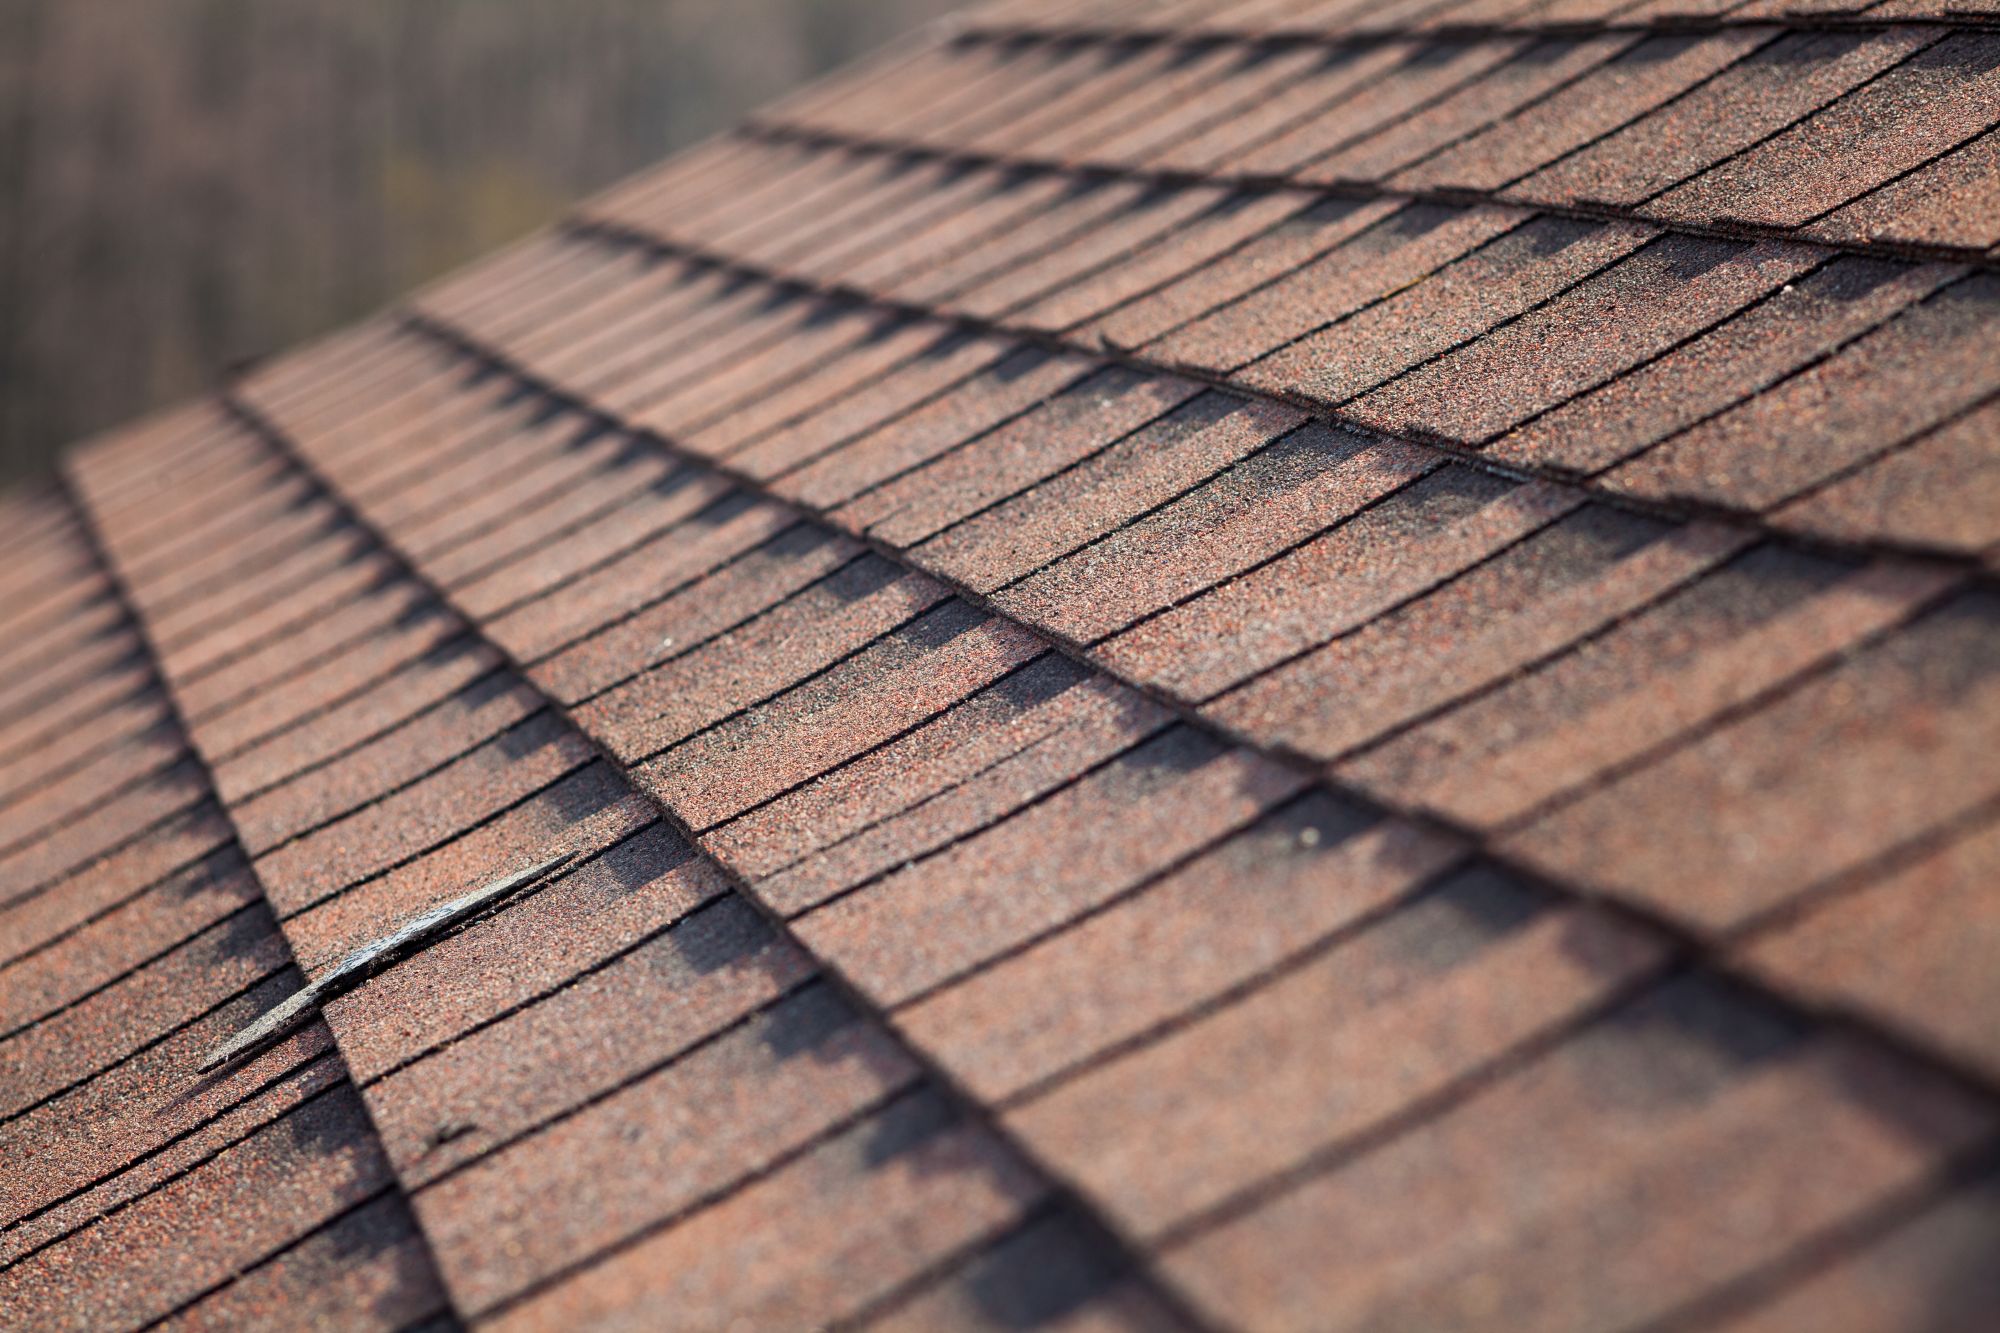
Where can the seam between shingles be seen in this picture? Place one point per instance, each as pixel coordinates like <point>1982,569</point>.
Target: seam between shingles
<point>1374,616</point>
<point>39,783</point>
<point>164,1036</point>
<point>1308,262</point>
<point>130,970</point>
<point>1021,946</point>
<point>1680,509</point>
<point>327,821</point>
<point>628,498</point>
<point>47,694</point>
<point>1678,935</point>
<point>59,877</point>
<point>598,1096</point>
<point>1873,457</point>
<point>888,515</point>
<point>1777,35</point>
<point>1228,997</point>
<point>947,845</point>
<point>1527,216</point>
<point>1829,661</point>
<point>681,648</point>
<point>934,1276</point>
<point>355,747</point>
<point>162,883</point>
<point>1423,105</point>
<point>386,1191</point>
<point>945,333</point>
<point>700,1203</point>
<point>1250,183</point>
<point>187,635</point>
<point>1418,1111</point>
<point>1464,136</point>
<point>1793,124</point>
<point>608,961</point>
<point>77,628</point>
<point>794,468</point>
<point>225,660</point>
<point>211,529</point>
<point>73,763</point>
<point>1794,373</point>
<point>1897,178</point>
<point>127,785</point>
<point>1528,666</point>
<point>1074,465</point>
<point>927,1070</point>
<point>881,821</point>
<point>649,536</point>
<point>467,415</point>
<point>1875,870</point>
<point>1820,1251</point>
<point>882,744</point>
<point>101,551</point>
<point>371,876</point>
<point>327,529</point>
<point>462,635</point>
<point>248,693</point>
<point>303,1067</point>
<point>549,492</point>
<point>1194,133</point>
<point>1567,476</point>
<point>1902,176</point>
<point>896,323</point>
<point>742,710</point>
<point>1533,308</point>
<point>976,31</point>
<point>761,341</point>
<point>1183,599</point>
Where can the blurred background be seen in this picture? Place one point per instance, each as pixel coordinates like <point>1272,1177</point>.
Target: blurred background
<point>187,183</point>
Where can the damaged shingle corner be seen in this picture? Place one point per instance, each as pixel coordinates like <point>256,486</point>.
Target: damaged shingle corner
<point>365,961</point>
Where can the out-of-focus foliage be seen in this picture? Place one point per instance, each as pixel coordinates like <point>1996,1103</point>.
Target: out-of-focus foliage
<point>187,183</point>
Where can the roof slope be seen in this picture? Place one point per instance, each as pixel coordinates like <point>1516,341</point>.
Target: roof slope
<point>1263,665</point>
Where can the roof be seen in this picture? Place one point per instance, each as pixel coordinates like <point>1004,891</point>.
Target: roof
<point>1261,665</point>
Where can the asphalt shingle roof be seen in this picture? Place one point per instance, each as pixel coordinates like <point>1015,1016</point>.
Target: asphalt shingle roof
<point>1260,665</point>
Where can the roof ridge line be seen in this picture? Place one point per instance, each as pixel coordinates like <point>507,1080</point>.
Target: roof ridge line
<point>777,131</point>
<point>1684,941</point>
<point>1684,511</point>
<point>1061,1194</point>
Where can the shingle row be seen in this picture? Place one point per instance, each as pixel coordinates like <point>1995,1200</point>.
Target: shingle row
<point>1307,20</point>
<point>1848,136</point>
<point>598,1071</point>
<point>1673,369</point>
<point>1131,935</point>
<point>148,944</point>
<point>1358,603</point>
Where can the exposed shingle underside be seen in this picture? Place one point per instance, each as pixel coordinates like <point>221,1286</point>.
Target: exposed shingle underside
<point>1263,665</point>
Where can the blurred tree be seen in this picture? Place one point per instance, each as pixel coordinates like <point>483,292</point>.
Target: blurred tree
<point>185,183</point>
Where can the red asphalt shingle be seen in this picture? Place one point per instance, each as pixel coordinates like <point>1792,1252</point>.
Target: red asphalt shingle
<point>1120,778</point>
